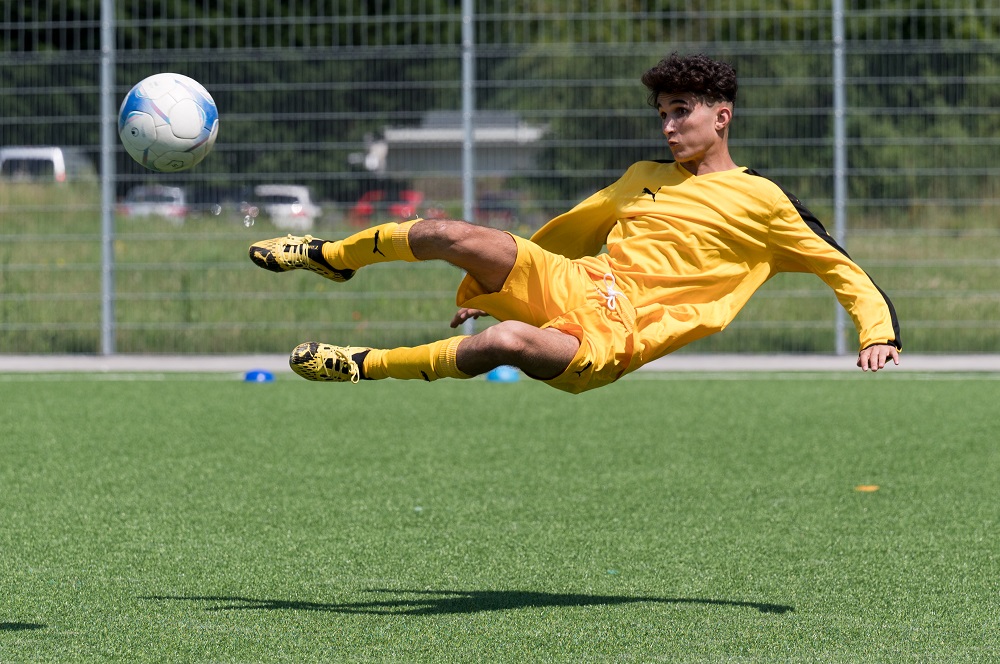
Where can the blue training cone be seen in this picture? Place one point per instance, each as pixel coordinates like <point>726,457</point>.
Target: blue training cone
<point>504,374</point>
<point>258,376</point>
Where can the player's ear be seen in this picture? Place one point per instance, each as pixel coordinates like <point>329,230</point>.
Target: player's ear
<point>723,116</point>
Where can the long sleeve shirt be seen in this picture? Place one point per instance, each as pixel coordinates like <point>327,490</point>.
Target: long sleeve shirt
<point>688,251</point>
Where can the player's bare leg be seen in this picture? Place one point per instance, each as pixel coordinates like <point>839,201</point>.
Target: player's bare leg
<point>540,353</point>
<point>485,253</point>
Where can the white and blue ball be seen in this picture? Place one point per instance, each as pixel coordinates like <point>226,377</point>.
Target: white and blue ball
<point>168,122</point>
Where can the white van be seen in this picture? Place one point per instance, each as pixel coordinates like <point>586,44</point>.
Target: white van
<point>45,164</point>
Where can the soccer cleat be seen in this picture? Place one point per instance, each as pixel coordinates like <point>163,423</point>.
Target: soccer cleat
<point>323,362</point>
<point>282,254</point>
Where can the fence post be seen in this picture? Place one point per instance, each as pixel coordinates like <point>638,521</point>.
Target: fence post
<point>468,109</point>
<point>108,126</point>
<point>839,158</point>
<point>468,122</point>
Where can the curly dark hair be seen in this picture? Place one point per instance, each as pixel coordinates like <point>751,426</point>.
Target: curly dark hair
<point>711,80</point>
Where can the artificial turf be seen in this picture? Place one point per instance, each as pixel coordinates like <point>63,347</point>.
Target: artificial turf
<point>706,518</point>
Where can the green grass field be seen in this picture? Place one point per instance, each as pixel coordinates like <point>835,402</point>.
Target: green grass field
<point>694,519</point>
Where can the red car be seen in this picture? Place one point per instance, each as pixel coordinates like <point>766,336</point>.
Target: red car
<point>377,205</point>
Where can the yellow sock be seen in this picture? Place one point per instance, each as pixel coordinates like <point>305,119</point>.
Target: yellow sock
<point>378,244</point>
<point>428,362</point>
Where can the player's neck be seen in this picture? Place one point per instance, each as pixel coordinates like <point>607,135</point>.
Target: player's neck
<point>710,163</point>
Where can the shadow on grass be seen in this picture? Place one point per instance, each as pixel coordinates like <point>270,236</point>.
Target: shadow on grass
<point>442,602</point>
<point>18,627</point>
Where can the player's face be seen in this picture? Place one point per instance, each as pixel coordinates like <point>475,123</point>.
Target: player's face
<point>692,127</point>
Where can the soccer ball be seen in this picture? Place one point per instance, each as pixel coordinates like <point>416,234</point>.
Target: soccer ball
<point>168,122</point>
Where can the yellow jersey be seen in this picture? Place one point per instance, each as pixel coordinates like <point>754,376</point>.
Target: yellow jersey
<point>690,250</point>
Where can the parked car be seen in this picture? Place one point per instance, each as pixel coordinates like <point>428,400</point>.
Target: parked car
<point>155,201</point>
<point>288,206</point>
<point>45,164</point>
<point>381,205</point>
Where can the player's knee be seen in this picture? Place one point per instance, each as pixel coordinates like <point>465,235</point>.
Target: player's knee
<point>508,339</point>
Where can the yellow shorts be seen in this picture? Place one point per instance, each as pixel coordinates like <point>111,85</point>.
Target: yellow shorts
<point>549,290</point>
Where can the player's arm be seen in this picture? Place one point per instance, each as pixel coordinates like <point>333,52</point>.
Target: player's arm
<point>580,232</point>
<point>583,231</point>
<point>802,244</point>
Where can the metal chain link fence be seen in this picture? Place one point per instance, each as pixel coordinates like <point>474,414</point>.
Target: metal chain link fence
<point>361,103</point>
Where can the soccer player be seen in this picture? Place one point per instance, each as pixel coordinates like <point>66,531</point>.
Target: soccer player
<point>688,242</point>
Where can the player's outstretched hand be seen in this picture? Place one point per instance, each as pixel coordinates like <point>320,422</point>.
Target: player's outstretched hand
<point>875,357</point>
<point>465,314</point>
